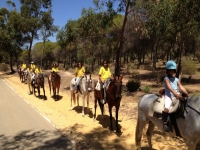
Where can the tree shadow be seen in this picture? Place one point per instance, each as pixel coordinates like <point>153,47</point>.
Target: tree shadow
<point>39,140</point>
<point>97,139</point>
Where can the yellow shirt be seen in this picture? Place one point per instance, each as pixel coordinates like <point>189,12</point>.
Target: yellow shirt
<point>105,73</point>
<point>23,66</point>
<point>54,69</point>
<point>32,67</point>
<point>80,71</point>
<point>37,70</point>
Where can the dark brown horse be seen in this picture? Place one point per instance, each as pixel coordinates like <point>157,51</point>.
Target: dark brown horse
<point>54,82</point>
<point>113,98</point>
<point>39,83</point>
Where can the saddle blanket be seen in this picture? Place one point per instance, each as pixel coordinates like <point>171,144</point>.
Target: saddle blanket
<point>158,106</point>
<point>98,86</point>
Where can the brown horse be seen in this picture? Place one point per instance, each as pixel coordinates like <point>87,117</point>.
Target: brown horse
<point>21,75</point>
<point>39,83</point>
<point>54,82</point>
<point>113,98</point>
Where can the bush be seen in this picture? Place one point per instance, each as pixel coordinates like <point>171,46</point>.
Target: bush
<point>147,89</point>
<point>189,67</point>
<point>133,85</point>
<point>4,67</point>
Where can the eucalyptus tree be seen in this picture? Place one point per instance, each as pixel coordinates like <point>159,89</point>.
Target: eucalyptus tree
<point>173,22</point>
<point>91,27</point>
<point>35,14</point>
<point>113,8</point>
<point>61,39</point>
<point>186,23</point>
<point>47,29</point>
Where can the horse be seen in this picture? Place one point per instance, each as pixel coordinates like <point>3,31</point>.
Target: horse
<point>39,83</point>
<point>28,77</point>
<point>113,98</point>
<point>188,125</point>
<point>84,88</point>
<point>21,75</point>
<point>54,82</point>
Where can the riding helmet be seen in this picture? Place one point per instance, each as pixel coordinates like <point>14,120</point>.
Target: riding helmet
<point>171,65</point>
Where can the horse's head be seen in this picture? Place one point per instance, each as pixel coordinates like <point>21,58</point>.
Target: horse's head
<point>89,82</point>
<point>115,87</point>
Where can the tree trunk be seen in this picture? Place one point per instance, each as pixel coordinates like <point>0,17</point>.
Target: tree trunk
<point>120,41</point>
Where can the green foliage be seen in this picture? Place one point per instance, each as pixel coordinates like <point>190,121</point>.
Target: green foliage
<point>198,56</point>
<point>188,67</point>
<point>147,89</point>
<point>4,67</point>
<point>133,85</point>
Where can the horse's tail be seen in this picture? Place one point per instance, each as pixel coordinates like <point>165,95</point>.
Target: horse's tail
<point>137,140</point>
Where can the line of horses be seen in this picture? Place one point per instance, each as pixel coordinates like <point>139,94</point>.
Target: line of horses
<point>85,87</point>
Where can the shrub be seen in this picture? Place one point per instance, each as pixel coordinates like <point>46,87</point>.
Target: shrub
<point>147,89</point>
<point>133,85</point>
<point>189,67</point>
<point>4,67</point>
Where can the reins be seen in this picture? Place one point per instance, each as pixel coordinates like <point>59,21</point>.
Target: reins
<point>187,105</point>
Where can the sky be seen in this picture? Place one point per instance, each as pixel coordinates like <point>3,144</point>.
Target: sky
<point>63,10</point>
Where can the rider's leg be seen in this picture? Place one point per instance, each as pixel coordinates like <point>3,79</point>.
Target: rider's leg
<point>168,102</point>
<point>76,84</point>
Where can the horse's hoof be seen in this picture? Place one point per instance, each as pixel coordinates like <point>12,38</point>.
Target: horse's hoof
<point>83,115</point>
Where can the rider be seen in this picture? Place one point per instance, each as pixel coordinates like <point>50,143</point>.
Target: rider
<point>37,71</point>
<point>54,69</point>
<point>23,66</point>
<point>32,66</point>
<point>104,76</point>
<point>171,86</point>
<point>80,72</point>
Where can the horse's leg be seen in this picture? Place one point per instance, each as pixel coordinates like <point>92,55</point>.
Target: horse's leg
<point>77,97</point>
<point>57,95</point>
<point>88,109</point>
<point>29,87</point>
<point>110,111</point>
<point>139,129</point>
<point>117,110</point>
<point>72,98</point>
<point>44,91</point>
<point>149,133</point>
<point>95,107</point>
<point>191,144</point>
<point>83,104</point>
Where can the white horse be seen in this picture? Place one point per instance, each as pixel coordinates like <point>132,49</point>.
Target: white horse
<point>84,88</point>
<point>188,126</point>
<point>29,80</point>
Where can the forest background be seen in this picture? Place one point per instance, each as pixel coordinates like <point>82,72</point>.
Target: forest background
<point>130,35</point>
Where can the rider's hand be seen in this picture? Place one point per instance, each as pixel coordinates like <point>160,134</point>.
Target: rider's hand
<point>181,98</point>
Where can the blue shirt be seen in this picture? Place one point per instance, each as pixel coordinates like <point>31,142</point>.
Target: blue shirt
<point>174,84</point>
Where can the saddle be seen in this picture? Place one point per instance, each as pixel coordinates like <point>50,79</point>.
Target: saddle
<point>177,107</point>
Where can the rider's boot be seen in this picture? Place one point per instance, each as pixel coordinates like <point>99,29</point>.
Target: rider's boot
<point>165,121</point>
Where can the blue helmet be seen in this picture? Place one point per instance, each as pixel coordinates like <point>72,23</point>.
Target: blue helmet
<point>171,65</point>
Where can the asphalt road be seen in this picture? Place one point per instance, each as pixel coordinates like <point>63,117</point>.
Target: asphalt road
<point>23,128</point>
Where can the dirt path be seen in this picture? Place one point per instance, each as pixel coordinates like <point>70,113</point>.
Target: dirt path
<point>89,134</point>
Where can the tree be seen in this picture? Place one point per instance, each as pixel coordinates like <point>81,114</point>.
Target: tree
<point>35,19</point>
<point>11,39</point>
<point>125,7</point>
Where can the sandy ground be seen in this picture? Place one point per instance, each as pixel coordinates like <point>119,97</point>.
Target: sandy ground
<point>84,131</point>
